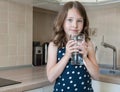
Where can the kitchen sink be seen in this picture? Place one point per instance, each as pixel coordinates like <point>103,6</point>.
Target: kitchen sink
<point>108,71</point>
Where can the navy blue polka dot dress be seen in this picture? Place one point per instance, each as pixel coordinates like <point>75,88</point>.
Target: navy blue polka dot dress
<point>75,78</point>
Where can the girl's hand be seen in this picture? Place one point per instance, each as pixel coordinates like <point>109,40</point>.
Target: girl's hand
<point>83,49</point>
<point>71,47</point>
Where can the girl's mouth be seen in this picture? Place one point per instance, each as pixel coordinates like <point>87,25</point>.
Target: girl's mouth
<point>74,30</point>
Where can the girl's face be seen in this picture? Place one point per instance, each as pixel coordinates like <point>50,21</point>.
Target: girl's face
<point>73,23</point>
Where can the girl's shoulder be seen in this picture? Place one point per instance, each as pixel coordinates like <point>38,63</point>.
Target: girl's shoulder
<point>52,45</point>
<point>90,45</point>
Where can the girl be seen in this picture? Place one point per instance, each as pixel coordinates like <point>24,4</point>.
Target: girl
<point>72,19</point>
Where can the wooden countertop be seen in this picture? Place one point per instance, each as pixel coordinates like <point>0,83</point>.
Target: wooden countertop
<point>31,78</point>
<point>35,77</point>
<point>114,79</point>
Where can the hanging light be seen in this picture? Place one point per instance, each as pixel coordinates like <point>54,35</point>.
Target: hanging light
<point>89,2</point>
<point>77,0</point>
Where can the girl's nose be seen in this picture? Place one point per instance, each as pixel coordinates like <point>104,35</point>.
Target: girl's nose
<point>74,24</point>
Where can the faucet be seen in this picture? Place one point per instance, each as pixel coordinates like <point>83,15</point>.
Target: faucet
<point>106,45</point>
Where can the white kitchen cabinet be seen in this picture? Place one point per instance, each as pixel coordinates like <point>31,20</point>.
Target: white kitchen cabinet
<point>35,90</point>
<point>43,89</point>
<point>105,87</point>
<point>48,88</point>
<point>98,86</point>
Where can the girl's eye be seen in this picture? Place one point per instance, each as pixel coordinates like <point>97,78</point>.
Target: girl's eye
<point>70,20</point>
<point>80,21</point>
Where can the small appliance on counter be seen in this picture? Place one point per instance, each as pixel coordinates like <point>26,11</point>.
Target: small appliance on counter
<point>45,52</point>
<point>37,54</point>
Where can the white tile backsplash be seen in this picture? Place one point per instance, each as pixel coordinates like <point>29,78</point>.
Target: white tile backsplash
<point>107,21</point>
<point>15,33</point>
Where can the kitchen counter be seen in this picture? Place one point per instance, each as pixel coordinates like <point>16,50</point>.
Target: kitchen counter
<point>114,79</point>
<point>35,77</point>
<point>31,78</point>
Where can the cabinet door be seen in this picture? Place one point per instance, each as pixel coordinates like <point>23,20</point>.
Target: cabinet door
<point>48,88</point>
<point>35,90</point>
<point>105,87</point>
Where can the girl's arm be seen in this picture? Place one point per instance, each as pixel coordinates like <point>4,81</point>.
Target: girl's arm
<point>90,61</point>
<point>54,69</point>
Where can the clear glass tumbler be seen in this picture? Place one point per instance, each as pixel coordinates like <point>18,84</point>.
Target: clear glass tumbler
<point>76,58</point>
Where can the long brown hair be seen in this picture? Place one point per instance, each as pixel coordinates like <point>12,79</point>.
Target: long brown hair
<point>59,38</point>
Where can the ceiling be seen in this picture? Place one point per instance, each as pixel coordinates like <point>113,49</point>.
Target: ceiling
<point>55,5</point>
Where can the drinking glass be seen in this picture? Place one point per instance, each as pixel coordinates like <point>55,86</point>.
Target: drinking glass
<point>76,58</point>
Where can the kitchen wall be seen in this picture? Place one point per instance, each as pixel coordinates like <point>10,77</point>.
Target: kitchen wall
<point>43,24</point>
<point>17,31</point>
<point>15,34</point>
<point>105,20</point>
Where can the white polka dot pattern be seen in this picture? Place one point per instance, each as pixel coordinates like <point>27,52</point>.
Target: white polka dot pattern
<point>75,78</point>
